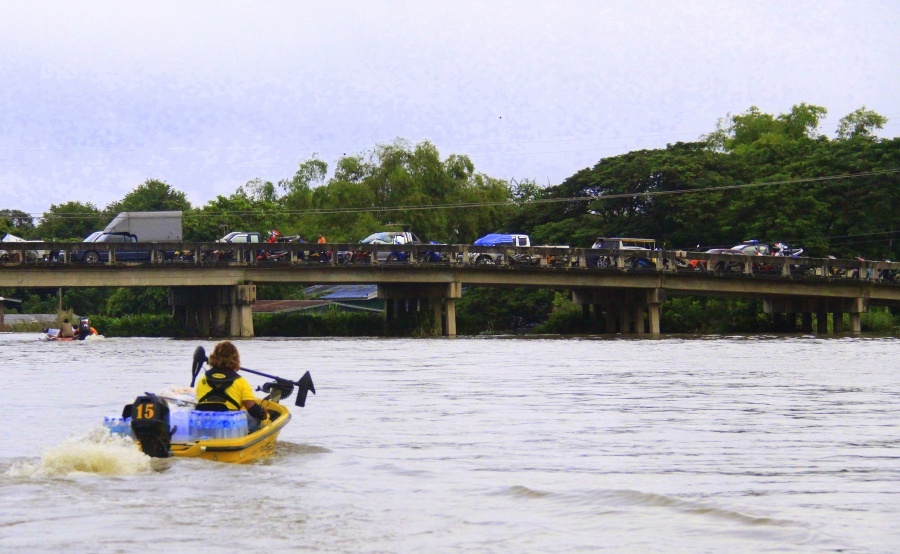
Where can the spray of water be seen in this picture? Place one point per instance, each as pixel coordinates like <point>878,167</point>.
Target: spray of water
<point>97,453</point>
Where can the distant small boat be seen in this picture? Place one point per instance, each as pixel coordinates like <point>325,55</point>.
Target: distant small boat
<point>53,334</point>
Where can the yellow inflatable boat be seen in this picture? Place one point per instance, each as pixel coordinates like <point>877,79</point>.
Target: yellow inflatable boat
<point>240,450</point>
<point>150,423</point>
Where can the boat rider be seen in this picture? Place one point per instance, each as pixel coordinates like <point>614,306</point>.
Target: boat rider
<point>65,330</point>
<point>222,389</point>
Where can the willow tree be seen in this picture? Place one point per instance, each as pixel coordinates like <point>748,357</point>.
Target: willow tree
<point>398,185</point>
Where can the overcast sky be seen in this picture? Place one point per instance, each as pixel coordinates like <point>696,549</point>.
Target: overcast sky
<point>96,97</point>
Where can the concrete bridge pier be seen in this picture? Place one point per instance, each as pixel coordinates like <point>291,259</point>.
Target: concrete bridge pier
<point>837,322</point>
<point>806,325</point>
<point>626,311</point>
<point>214,311</point>
<point>820,307</point>
<point>441,297</point>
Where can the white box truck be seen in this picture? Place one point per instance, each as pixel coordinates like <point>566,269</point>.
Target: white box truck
<point>129,227</point>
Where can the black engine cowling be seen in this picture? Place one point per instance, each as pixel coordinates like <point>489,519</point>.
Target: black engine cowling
<point>150,424</point>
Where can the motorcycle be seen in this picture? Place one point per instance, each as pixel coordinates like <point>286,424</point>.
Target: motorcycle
<point>280,255</point>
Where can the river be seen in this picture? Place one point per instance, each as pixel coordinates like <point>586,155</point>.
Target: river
<point>703,444</point>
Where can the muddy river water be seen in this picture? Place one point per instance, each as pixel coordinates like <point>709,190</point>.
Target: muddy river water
<point>682,444</point>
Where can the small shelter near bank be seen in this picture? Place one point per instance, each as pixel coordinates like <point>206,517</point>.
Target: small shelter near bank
<point>353,298</point>
<point>3,303</point>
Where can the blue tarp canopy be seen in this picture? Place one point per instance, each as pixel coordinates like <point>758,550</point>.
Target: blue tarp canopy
<point>495,239</point>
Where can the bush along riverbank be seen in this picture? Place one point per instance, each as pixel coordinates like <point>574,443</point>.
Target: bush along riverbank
<point>330,323</point>
<point>321,324</point>
<point>560,317</point>
<point>142,325</point>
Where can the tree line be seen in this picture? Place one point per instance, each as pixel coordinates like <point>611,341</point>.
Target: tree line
<point>754,176</point>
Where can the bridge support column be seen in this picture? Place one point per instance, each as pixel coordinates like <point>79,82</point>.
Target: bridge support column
<point>450,306</point>
<point>807,306</point>
<point>610,322</point>
<point>639,319</point>
<point>855,324</point>
<point>438,319</point>
<point>625,311</point>
<point>655,298</point>
<point>821,322</point>
<point>837,322</point>
<point>442,298</point>
<point>624,320</point>
<point>806,322</point>
<point>214,311</point>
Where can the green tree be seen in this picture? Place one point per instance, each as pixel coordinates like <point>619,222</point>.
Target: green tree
<point>393,185</point>
<point>861,123</point>
<point>16,222</point>
<point>670,194</point>
<point>151,196</point>
<point>223,215</point>
<point>71,220</point>
<point>298,190</point>
<point>137,300</point>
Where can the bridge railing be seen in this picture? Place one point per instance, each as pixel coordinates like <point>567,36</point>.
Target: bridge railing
<point>209,254</point>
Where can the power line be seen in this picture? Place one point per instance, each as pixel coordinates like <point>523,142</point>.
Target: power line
<point>501,203</point>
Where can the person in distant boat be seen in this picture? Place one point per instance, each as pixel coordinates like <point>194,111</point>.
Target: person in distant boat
<point>65,330</point>
<point>222,389</point>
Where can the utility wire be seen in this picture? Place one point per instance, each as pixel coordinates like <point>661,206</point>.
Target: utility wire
<point>500,203</point>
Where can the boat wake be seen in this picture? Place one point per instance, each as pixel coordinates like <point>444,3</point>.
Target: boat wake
<point>97,453</point>
<point>287,449</point>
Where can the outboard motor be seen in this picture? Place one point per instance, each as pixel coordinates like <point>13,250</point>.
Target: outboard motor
<point>84,329</point>
<point>150,424</point>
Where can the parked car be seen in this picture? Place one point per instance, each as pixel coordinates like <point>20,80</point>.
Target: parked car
<point>747,248</point>
<point>88,254</point>
<point>386,237</point>
<point>14,256</point>
<point>634,252</point>
<point>497,239</point>
<point>235,237</point>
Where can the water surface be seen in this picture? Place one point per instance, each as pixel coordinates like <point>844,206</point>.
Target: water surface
<point>458,445</point>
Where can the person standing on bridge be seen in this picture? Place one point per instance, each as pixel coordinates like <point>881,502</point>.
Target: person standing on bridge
<point>321,240</point>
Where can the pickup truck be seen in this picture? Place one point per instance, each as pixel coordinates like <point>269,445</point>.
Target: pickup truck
<point>497,239</point>
<point>557,257</point>
<point>85,253</point>
<point>387,237</point>
<point>234,237</point>
<point>634,252</point>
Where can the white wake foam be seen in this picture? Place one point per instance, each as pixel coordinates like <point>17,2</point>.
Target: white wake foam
<point>97,453</point>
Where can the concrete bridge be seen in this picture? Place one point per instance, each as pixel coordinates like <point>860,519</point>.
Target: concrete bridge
<point>212,290</point>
